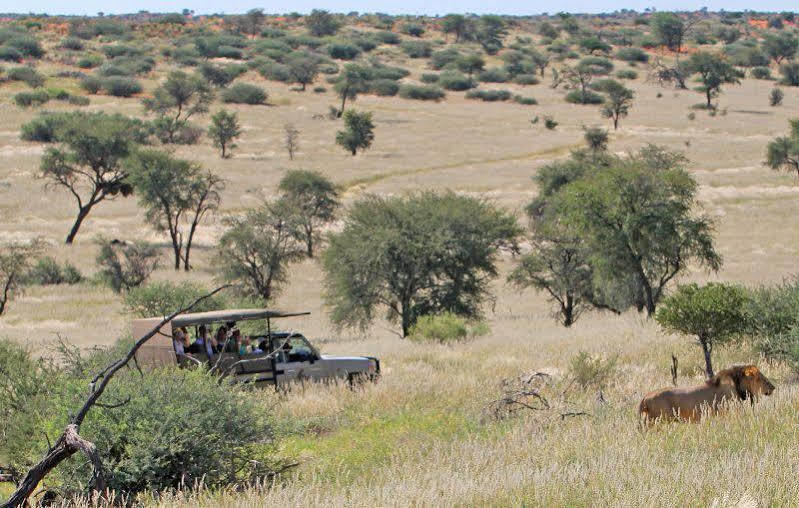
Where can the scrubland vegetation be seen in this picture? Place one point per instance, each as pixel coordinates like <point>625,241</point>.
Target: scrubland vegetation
<point>531,221</point>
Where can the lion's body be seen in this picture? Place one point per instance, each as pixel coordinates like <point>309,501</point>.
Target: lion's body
<point>736,383</point>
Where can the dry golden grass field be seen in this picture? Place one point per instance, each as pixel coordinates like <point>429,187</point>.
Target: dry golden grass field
<point>419,436</point>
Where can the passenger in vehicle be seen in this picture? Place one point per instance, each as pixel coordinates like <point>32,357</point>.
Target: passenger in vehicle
<point>220,339</point>
<point>233,342</point>
<point>180,342</point>
<point>202,344</point>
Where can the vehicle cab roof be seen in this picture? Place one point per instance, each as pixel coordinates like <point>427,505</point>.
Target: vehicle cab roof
<point>235,315</point>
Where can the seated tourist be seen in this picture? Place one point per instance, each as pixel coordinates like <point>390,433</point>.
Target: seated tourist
<point>180,342</point>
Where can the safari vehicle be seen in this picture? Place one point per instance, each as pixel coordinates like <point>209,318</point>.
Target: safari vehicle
<point>283,356</point>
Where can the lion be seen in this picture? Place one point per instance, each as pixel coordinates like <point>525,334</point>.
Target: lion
<point>739,382</point>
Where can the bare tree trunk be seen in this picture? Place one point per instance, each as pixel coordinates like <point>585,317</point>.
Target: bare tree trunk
<point>707,349</point>
<point>83,212</point>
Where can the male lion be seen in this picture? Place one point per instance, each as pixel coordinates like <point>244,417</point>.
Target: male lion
<point>738,382</point>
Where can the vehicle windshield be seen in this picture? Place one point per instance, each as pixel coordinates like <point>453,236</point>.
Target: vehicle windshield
<point>295,348</point>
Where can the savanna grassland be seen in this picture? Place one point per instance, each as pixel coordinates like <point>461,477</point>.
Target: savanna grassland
<point>421,436</point>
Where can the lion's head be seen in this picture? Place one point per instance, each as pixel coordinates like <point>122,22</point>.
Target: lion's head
<point>749,382</point>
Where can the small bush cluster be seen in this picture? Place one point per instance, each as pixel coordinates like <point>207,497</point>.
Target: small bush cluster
<point>591,371</point>
<point>421,92</point>
<point>494,75</point>
<point>626,74</point>
<point>417,49</point>
<point>445,328</point>
<point>27,75</point>
<point>489,95</point>
<point>587,97</point>
<point>454,80</point>
<point>244,93</point>
<point>47,271</point>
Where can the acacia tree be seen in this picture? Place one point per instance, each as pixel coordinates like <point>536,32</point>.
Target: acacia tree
<point>358,133</point>
<point>780,46</point>
<point>783,152</point>
<point>174,192</point>
<point>321,23</point>
<point>354,79</point>
<point>175,101</point>
<point>459,25</point>
<point>713,72</point>
<point>713,313</point>
<point>225,127</point>
<point>581,75</point>
<point>256,250</point>
<point>669,29</point>
<point>251,22</point>
<point>303,68</point>
<point>292,139</point>
<point>315,200</point>
<point>637,218</point>
<point>558,263</point>
<point>15,261</point>
<point>88,160</point>
<point>412,256</point>
<point>618,101</point>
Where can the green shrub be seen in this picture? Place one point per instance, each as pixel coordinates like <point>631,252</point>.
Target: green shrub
<point>78,100</point>
<point>790,73</point>
<point>429,77</point>
<point>489,95</point>
<point>388,72</point>
<point>35,98</point>
<point>526,101</point>
<point>271,32</point>
<point>387,37</point>
<point>587,97</point>
<point>444,58</point>
<point>494,75</point>
<point>10,54</point>
<point>775,97</point>
<point>626,74</point>
<point>162,298</point>
<point>127,66</point>
<point>229,52</point>
<point>413,29</point>
<point>275,71</point>
<point>89,61</point>
<point>526,79</point>
<point>161,438</point>
<point>27,45</point>
<point>343,51</point>
<point>550,123</point>
<point>384,87</point>
<point>120,86</point>
<point>319,89</point>
<point>421,92</point>
<point>760,73</point>
<point>632,55</point>
<point>454,80</point>
<point>445,328</point>
<point>417,49</point>
<point>72,43</point>
<point>44,127</point>
<point>91,84</point>
<point>591,371</point>
<point>244,93</point>
<point>26,74</point>
<point>47,271</point>
<point>118,50</point>
<point>58,94</point>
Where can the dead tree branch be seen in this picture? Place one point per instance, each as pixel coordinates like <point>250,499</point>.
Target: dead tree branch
<point>70,440</point>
